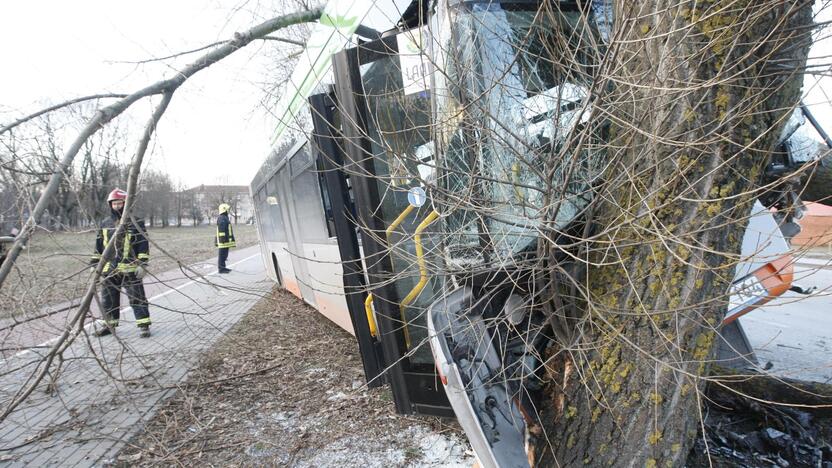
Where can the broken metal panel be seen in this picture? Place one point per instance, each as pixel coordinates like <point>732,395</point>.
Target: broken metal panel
<point>733,348</point>
<point>485,402</point>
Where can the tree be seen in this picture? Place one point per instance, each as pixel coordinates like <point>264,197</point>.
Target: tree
<point>699,93</point>
<point>30,158</point>
<point>156,197</point>
<point>164,91</point>
<point>694,93</point>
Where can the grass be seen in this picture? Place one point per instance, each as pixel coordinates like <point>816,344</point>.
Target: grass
<point>53,268</point>
<point>285,387</point>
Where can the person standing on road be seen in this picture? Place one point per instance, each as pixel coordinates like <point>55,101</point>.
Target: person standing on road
<point>225,237</point>
<point>125,269</point>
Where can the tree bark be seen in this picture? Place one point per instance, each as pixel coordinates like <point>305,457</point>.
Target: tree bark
<point>818,186</point>
<point>698,94</point>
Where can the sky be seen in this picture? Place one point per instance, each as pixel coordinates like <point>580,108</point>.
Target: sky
<point>817,85</point>
<point>216,130</point>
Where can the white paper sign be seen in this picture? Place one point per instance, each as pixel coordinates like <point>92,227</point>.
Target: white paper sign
<point>414,63</point>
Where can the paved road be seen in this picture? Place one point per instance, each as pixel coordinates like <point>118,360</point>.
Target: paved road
<point>107,387</point>
<point>794,332</point>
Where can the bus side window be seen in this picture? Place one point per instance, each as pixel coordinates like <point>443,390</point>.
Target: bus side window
<point>330,217</point>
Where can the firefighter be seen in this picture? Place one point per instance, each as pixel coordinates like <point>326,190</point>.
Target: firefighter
<point>125,269</point>
<point>225,237</point>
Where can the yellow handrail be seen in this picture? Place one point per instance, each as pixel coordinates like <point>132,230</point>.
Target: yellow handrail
<point>368,308</point>
<point>423,272</point>
<point>398,221</point>
<point>389,232</point>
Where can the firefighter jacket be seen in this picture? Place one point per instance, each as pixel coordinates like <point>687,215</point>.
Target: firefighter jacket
<point>131,248</point>
<point>225,233</point>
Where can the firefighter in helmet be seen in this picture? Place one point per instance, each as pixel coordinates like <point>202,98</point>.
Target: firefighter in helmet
<point>225,237</point>
<point>125,268</point>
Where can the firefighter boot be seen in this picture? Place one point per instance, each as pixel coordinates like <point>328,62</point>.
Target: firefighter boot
<point>103,328</point>
<point>144,331</point>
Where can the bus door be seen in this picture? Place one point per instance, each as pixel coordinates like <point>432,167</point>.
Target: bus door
<point>385,106</point>
<point>328,145</point>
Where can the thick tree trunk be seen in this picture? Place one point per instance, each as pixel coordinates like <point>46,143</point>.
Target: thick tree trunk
<point>818,186</point>
<point>699,92</point>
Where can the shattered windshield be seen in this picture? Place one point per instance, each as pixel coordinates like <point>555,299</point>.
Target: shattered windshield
<point>510,104</point>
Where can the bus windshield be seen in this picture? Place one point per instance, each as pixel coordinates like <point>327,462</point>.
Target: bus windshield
<point>510,98</point>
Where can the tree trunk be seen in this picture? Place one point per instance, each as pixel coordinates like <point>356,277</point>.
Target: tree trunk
<point>698,94</point>
<point>818,186</point>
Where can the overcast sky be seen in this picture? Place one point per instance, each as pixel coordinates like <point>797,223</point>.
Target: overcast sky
<point>215,130</point>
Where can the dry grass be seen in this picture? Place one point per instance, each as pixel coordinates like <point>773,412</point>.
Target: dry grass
<point>285,387</point>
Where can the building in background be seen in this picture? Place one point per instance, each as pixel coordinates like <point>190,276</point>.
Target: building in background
<point>815,226</point>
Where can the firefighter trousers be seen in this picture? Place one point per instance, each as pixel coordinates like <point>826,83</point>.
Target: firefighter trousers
<point>111,297</point>
<point>222,256</point>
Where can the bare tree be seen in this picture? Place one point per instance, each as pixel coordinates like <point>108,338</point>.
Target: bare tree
<point>682,107</point>
<point>165,89</point>
<point>168,86</point>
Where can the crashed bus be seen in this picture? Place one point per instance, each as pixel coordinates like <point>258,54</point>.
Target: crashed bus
<point>350,218</point>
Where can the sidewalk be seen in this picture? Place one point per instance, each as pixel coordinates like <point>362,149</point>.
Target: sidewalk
<point>51,321</point>
<point>107,387</point>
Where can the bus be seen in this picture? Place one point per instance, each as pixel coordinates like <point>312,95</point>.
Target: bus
<point>347,223</point>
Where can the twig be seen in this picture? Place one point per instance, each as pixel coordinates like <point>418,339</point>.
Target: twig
<point>178,54</point>
<point>283,39</point>
<point>58,106</point>
<point>105,115</point>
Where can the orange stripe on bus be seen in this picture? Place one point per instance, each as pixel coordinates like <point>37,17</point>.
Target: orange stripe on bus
<point>776,276</point>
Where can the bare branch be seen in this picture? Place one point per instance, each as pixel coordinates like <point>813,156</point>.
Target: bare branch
<point>78,318</point>
<point>178,54</point>
<point>105,115</point>
<point>29,117</point>
<point>283,39</point>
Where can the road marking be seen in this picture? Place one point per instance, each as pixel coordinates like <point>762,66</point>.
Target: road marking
<point>124,309</point>
<point>194,281</point>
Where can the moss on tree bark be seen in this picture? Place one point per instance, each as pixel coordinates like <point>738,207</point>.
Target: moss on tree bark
<point>699,92</point>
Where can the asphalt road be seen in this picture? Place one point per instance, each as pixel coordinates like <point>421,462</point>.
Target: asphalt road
<point>794,332</point>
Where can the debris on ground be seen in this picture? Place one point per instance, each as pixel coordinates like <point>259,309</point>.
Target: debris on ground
<point>286,387</point>
<point>785,424</point>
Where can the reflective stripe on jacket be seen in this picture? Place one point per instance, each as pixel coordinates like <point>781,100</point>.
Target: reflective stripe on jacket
<point>225,232</point>
<point>131,249</point>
